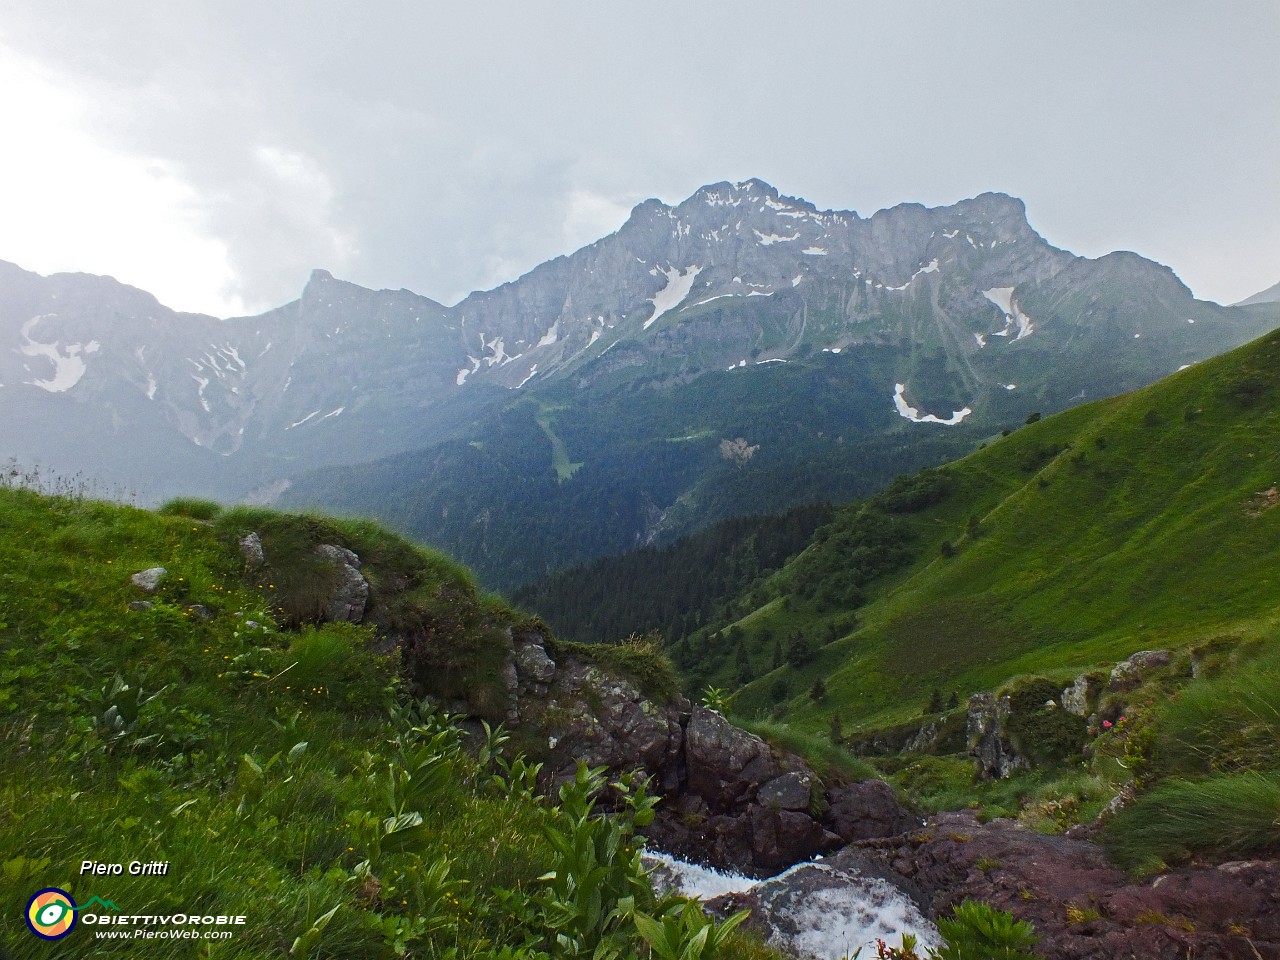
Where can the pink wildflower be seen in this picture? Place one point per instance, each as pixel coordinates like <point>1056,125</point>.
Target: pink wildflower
<point>1106,724</point>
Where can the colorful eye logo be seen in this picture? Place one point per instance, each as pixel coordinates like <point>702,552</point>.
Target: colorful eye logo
<point>51,914</point>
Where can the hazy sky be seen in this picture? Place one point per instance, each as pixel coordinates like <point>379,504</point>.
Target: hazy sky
<point>215,151</point>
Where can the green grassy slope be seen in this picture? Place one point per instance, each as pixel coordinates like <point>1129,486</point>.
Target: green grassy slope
<point>276,766</point>
<point>1136,522</point>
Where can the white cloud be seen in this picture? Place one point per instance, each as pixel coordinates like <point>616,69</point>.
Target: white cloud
<point>592,215</point>
<point>448,149</point>
<point>69,204</point>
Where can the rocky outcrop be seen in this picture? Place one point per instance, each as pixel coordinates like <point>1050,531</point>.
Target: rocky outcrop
<point>941,733</point>
<point>587,714</point>
<point>729,799</point>
<point>988,740</point>
<point>251,551</point>
<point>350,592</point>
<point>1082,907</point>
<point>744,805</point>
<point>1082,696</point>
<point>867,810</point>
<point>1128,674</point>
<point>1023,726</point>
<point>726,764</point>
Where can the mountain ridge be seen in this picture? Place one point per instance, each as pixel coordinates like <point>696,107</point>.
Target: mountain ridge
<point>930,316</point>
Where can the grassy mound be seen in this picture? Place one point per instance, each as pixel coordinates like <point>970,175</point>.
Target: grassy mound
<point>274,763</point>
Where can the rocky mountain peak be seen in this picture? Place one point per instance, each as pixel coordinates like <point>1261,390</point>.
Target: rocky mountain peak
<point>736,275</point>
<point>322,288</point>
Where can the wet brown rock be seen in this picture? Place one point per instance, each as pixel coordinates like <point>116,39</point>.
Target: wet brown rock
<point>867,810</point>
<point>1083,907</point>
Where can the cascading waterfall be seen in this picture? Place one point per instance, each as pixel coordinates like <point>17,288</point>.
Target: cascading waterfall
<point>823,909</point>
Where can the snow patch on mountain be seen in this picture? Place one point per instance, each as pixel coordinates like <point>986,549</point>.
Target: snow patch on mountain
<point>912,414</point>
<point>1003,298</point>
<point>767,239</point>
<point>68,363</point>
<point>718,296</point>
<point>676,289</point>
<point>551,336</point>
<point>202,383</point>
<point>465,372</point>
<point>499,351</point>
<point>717,200</point>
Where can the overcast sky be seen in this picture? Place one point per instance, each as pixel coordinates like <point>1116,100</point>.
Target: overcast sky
<point>215,151</point>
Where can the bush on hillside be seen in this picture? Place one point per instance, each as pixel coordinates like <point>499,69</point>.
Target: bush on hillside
<point>1039,728</point>
<point>915,493</point>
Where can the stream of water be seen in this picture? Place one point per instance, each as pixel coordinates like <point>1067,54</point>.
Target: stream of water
<point>820,909</point>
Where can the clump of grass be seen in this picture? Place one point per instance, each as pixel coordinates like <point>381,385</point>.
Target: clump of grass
<point>1225,723</point>
<point>193,508</point>
<point>1235,815</point>
<point>1066,801</point>
<point>1079,914</point>
<point>327,663</point>
<point>827,759</point>
<point>639,658</point>
<point>1039,728</point>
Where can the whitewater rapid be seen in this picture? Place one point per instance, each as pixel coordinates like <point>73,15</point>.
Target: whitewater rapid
<point>823,909</point>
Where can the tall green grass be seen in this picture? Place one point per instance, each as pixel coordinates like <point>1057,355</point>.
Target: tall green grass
<point>1213,768</point>
<point>1225,723</point>
<point>1227,817</point>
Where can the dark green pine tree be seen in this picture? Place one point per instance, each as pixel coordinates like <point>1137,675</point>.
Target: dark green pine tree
<point>935,702</point>
<point>801,650</point>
